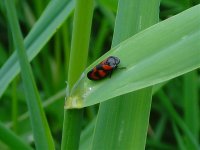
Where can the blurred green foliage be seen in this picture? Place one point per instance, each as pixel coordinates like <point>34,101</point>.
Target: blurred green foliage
<point>50,69</point>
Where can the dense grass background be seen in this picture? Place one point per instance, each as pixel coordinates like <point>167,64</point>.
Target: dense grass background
<point>60,45</point>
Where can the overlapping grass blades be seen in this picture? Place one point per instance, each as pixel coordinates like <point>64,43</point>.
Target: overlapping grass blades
<point>173,49</point>
<point>42,135</point>
<point>52,18</point>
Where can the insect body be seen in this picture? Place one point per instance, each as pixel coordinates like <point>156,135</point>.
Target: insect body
<point>104,69</point>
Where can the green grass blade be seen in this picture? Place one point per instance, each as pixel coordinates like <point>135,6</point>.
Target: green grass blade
<point>52,18</point>
<point>15,107</point>
<point>177,119</point>
<point>160,128</point>
<point>179,138</point>
<point>109,4</point>
<point>129,132</point>
<point>12,140</point>
<point>157,87</point>
<point>86,136</point>
<point>123,128</point>
<point>169,55</point>
<point>41,131</point>
<point>49,101</point>
<point>77,63</point>
<point>191,103</point>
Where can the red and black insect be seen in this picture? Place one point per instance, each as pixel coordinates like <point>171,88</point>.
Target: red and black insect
<point>104,69</point>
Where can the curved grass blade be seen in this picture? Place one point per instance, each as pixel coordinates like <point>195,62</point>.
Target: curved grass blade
<point>52,18</point>
<point>173,49</point>
<point>42,135</point>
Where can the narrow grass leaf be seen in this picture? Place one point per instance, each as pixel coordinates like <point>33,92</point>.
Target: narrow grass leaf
<point>173,49</point>
<point>174,116</point>
<point>77,63</point>
<point>11,139</point>
<point>49,101</point>
<point>191,105</point>
<point>41,131</point>
<point>159,129</point>
<point>179,138</point>
<point>52,18</point>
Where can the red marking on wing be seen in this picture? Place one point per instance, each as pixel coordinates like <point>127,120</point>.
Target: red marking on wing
<point>107,67</point>
<point>92,74</point>
<point>102,73</point>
